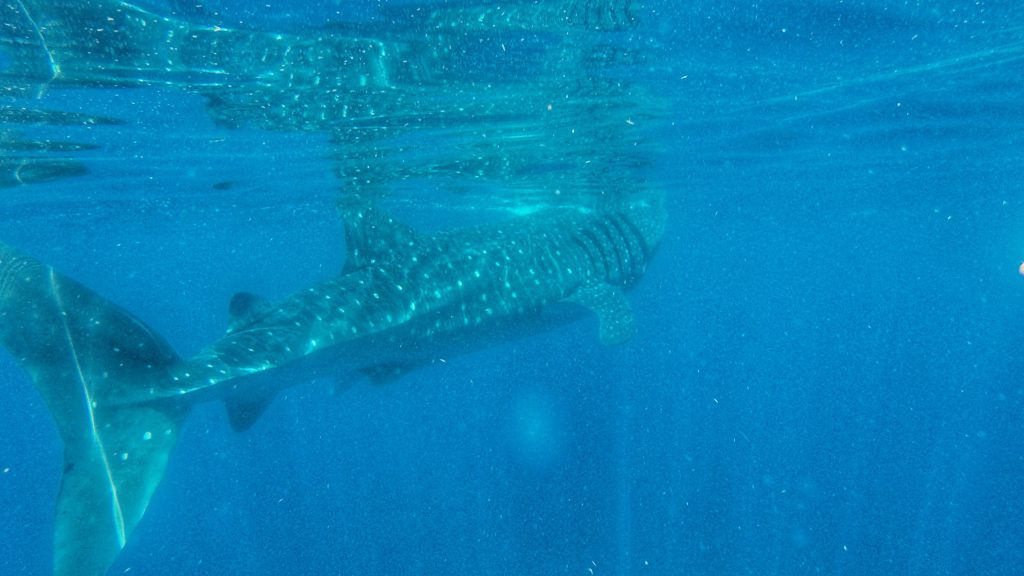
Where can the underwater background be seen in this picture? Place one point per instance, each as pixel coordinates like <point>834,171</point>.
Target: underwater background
<point>826,376</point>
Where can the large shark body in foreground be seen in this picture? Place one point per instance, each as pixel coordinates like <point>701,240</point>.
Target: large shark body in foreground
<point>119,394</point>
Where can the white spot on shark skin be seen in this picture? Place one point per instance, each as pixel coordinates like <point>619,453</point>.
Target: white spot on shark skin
<point>147,436</point>
<point>124,456</point>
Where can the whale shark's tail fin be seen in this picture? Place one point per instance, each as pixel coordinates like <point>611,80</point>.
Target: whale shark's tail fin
<point>94,364</point>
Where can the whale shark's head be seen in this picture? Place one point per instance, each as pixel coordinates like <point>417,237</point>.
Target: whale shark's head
<point>647,213</point>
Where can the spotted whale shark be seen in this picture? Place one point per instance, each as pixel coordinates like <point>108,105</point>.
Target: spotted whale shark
<point>119,394</point>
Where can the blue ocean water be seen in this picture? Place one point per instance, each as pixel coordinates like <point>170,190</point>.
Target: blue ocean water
<point>825,376</point>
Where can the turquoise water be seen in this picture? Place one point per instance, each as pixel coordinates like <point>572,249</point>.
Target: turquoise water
<point>825,376</point>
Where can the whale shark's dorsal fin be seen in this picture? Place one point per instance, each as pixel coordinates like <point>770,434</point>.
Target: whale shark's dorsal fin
<point>372,235</point>
<point>612,309</point>
<point>245,310</point>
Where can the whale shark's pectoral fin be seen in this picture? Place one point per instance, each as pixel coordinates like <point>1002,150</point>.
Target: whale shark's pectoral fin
<point>372,235</point>
<point>245,310</point>
<point>612,309</point>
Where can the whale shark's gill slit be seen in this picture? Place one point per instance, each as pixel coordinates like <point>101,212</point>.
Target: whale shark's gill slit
<point>606,269</point>
<point>90,405</point>
<point>586,251</point>
<point>626,249</point>
<point>603,226</point>
<point>637,233</point>
<point>635,244</point>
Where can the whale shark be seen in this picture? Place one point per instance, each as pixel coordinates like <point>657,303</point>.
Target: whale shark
<point>119,393</point>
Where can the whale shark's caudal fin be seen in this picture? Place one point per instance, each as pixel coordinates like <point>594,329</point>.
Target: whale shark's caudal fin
<point>94,365</point>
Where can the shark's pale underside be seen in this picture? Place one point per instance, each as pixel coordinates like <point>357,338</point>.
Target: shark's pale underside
<point>119,394</point>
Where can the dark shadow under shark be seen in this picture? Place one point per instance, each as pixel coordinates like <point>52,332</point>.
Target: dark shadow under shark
<point>119,394</point>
